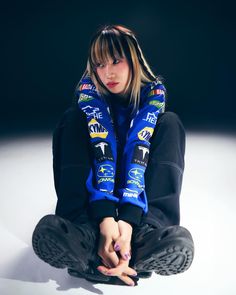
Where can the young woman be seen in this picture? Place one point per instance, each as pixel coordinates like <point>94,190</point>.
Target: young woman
<point>118,162</point>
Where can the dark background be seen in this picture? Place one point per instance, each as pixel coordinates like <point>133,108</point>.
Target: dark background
<point>44,44</point>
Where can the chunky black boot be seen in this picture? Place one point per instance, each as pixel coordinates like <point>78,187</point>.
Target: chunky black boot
<point>63,244</point>
<point>168,250</point>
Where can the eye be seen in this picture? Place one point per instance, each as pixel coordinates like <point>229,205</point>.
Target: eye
<point>100,66</point>
<point>116,61</point>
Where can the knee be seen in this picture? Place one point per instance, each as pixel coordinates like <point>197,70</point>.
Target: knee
<point>170,118</point>
<point>73,115</point>
<point>171,121</point>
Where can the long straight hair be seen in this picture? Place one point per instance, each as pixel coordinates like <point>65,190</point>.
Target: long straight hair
<point>116,41</point>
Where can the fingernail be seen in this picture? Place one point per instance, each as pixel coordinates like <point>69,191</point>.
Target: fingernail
<point>102,271</point>
<point>127,256</point>
<point>134,275</point>
<point>131,284</point>
<point>117,248</point>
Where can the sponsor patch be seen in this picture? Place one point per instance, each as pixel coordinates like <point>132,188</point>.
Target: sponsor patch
<point>156,92</point>
<point>151,118</point>
<point>132,181</point>
<point>85,97</point>
<point>96,129</point>
<point>86,87</point>
<point>105,171</point>
<point>102,151</point>
<point>157,104</point>
<point>92,112</point>
<point>140,155</point>
<point>136,174</point>
<point>129,193</point>
<point>145,133</point>
<point>106,179</point>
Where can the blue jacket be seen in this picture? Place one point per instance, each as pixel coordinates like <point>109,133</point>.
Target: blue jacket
<point>121,147</point>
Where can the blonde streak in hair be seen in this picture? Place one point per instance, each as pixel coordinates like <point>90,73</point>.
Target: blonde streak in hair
<point>147,67</point>
<point>96,56</point>
<point>146,72</point>
<point>136,83</point>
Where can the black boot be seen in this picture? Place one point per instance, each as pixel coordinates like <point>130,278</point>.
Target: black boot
<point>168,250</point>
<point>63,244</point>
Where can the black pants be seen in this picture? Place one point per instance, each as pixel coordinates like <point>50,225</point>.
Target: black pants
<point>72,160</point>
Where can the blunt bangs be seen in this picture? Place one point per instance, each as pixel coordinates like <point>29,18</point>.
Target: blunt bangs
<point>109,44</point>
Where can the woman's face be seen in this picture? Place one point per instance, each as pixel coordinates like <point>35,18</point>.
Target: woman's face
<point>114,74</point>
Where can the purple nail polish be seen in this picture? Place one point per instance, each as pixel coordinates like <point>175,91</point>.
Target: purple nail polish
<point>117,248</point>
<point>134,275</point>
<point>127,256</point>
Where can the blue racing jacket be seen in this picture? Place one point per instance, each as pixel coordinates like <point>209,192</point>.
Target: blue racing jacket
<point>129,201</point>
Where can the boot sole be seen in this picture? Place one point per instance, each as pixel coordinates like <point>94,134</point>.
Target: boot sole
<point>168,253</point>
<point>54,241</point>
<point>172,259</point>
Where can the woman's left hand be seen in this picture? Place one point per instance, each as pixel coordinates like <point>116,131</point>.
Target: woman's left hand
<point>123,246</point>
<point>122,271</point>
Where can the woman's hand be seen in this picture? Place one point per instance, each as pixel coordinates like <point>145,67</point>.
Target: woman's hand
<point>109,234</point>
<point>122,244</point>
<point>122,271</point>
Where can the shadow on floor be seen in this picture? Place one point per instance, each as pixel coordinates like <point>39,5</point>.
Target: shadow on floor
<point>27,267</point>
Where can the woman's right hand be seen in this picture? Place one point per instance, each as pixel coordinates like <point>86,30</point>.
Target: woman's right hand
<point>115,233</point>
<point>109,234</point>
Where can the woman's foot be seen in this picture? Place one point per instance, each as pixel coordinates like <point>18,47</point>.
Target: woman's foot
<point>63,244</point>
<point>166,251</point>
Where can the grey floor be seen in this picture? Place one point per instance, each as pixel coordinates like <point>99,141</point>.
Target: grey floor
<point>208,207</point>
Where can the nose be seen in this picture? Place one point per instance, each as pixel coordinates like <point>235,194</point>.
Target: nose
<point>109,71</point>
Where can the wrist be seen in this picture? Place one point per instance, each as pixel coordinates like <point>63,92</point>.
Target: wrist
<point>127,223</point>
<point>107,220</point>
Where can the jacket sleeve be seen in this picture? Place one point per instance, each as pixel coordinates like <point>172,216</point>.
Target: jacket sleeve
<point>133,200</point>
<point>101,180</point>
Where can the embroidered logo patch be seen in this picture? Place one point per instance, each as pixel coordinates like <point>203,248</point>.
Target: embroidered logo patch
<point>85,97</point>
<point>136,174</point>
<point>102,151</point>
<point>145,133</point>
<point>105,171</point>
<point>92,112</point>
<point>86,87</point>
<point>140,155</point>
<point>151,118</point>
<point>129,193</point>
<point>157,104</point>
<point>156,92</point>
<point>96,129</point>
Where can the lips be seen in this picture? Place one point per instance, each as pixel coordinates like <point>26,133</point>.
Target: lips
<point>112,84</point>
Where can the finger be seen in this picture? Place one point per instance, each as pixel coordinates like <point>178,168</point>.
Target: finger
<point>127,280</point>
<point>115,271</point>
<point>106,264</point>
<point>124,248</point>
<point>103,269</point>
<point>122,268</point>
<point>110,259</point>
<point>123,277</point>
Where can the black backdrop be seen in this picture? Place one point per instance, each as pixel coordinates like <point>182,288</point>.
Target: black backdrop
<point>192,44</point>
